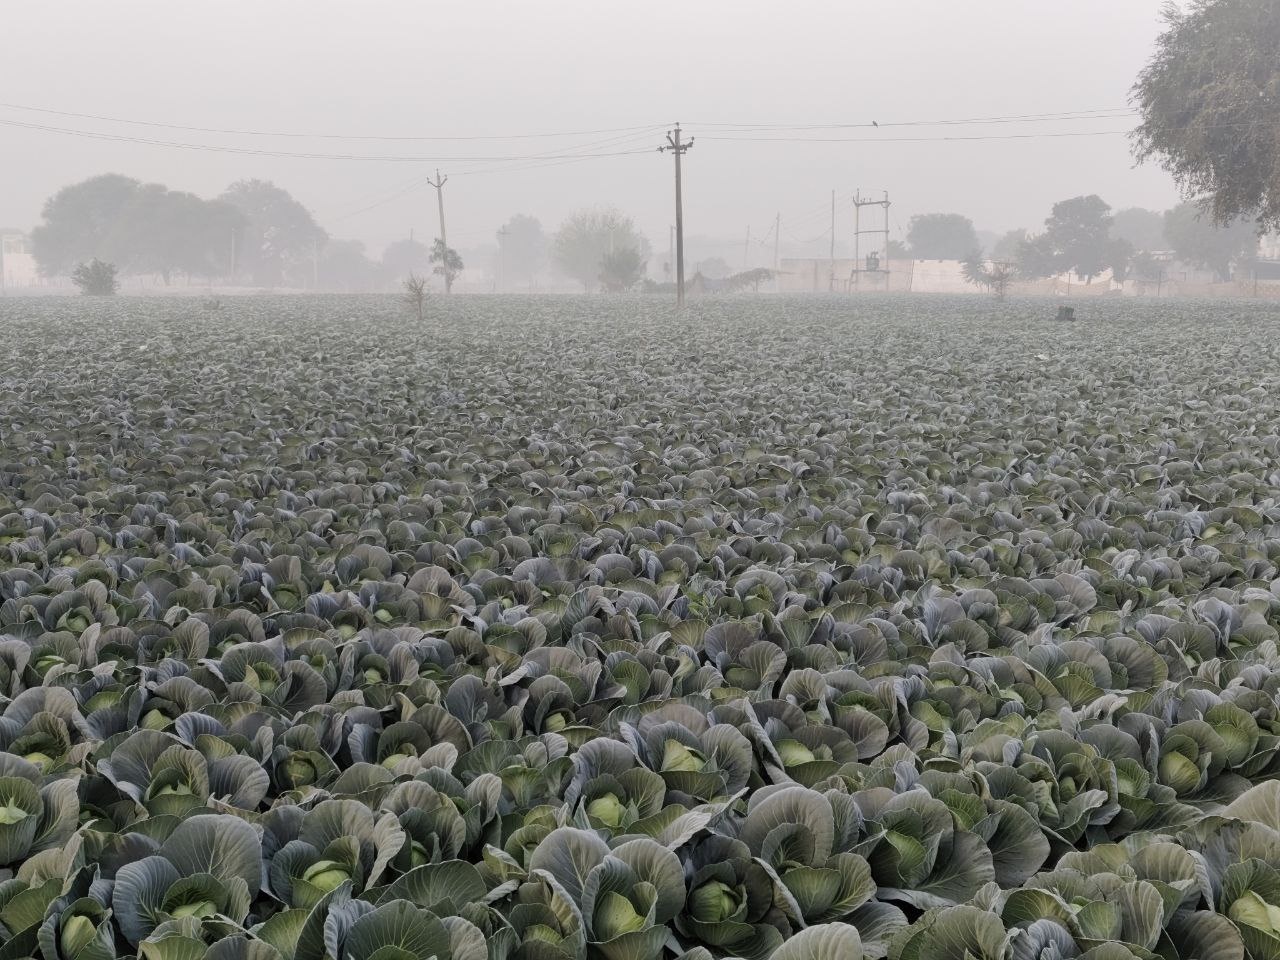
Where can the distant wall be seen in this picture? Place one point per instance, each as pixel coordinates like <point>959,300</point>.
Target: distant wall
<point>1241,288</point>
<point>19,270</point>
<point>812,275</point>
<point>923,276</point>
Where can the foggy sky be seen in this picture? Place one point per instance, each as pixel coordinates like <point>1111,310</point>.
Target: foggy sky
<point>482,67</point>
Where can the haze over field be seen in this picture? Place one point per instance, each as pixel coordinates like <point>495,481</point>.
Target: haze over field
<point>404,555</point>
<point>495,69</point>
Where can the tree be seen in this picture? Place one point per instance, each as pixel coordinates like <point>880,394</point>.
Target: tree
<point>898,250</point>
<point>1077,237</point>
<point>448,263</point>
<point>207,238</point>
<point>1196,239</point>
<point>1037,258</point>
<point>170,231</point>
<point>522,247</point>
<point>748,278</point>
<point>343,266</point>
<point>583,240</point>
<point>415,293</point>
<point>1006,248</point>
<point>714,268</point>
<point>405,257</point>
<point>941,236</point>
<point>1119,256</point>
<point>1143,229</point>
<point>1210,105</point>
<point>278,234</point>
<point>95,278</point>
<point>621,270</point>
<point>85,221</point>
<point>995,276</point>
<point>145,228</point>
<point>1146,267</point>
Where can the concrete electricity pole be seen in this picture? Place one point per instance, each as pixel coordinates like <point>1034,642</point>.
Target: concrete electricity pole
<point>831,278</point>
<point>679,148</point>
<point>444,238</point>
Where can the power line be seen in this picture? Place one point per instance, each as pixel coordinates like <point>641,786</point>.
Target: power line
<point>322,136</point>
<point>1101,114</point>
<point>419,182</point>
<point>259,152</point>
<point>1006,136</point>
<point>378,203</point>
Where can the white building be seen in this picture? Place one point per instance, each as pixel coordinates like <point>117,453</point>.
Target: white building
<point>17,265</point>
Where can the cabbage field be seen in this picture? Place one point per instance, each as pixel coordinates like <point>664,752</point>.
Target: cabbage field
<point>549,629</point>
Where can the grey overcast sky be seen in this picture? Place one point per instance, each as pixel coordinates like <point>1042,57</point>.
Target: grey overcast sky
<point>494,68</point>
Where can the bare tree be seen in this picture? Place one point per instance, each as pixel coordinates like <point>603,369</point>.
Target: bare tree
<point>995,276</point>
<point>415,293</point>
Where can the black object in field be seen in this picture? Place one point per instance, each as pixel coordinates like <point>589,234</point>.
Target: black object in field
<point>1066,313</point>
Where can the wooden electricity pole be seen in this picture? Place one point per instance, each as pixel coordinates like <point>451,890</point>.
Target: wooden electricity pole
<point>446,270</point>
<point>675,146</point>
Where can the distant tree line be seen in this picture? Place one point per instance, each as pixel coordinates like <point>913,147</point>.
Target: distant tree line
<point>257,233</point>
<point>254,232</point>
<point>137,227</point>
<point>1082,236</point>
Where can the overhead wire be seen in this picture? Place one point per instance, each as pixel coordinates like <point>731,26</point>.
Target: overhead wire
<point>538,164</point>
<point>321,136</point>
<point>296,155</point>
<point>626,140</point>
<point>1117,114</point>
<point>943,139</point>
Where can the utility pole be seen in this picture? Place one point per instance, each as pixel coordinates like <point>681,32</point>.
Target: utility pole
<point>675,146</point>
<point>746,250</point>
<point>502,247</point>
<point>231,277</point>
<point>878,263</point>
<point>777,233</point>
<point>444,239</point>
<point>831,278</point>
<point>315,265</point>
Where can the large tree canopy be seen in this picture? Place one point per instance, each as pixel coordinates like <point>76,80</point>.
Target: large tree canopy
<point>587,237</point>
<point>140,228</point>
<point>1196,239</point>
<point>279,231</point>
<point>1077,237</point>
<point>522,247</point>
<point>942,236</point>
<point>85,221</point>
<point>1210,102</point>
<point>405,257</point>
<point>1142,229</point>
